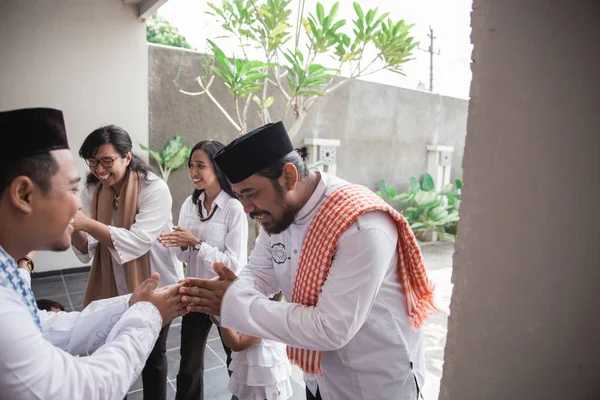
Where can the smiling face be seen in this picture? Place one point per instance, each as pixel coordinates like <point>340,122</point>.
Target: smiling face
<point>202,170</point>
<point>107,164</point>
<point>53,211</point>
<point>267,202</point>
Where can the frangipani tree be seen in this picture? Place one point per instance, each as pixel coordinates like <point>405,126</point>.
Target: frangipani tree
<point>293,56</point>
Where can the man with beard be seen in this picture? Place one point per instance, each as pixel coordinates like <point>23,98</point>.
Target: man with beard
<point>347,263</point>
<point>38,200</point>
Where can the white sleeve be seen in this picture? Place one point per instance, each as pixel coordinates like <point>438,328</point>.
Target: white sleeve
<point>361,261</point>
<point>70,330</point>
<point>155,210</point>
<point>235,255</point>
<point>259,273</point>
<point>32,368</point>
<point>86,207</point>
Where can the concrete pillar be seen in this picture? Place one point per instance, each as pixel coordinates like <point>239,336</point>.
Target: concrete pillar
<point>525,314</point>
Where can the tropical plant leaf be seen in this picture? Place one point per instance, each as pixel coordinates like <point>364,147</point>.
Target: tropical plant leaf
<point>179,159</point>
<point>172,147</point>
<point>155,154</point>
<point>427,184</point>
<point>359,11</point>
<point>446,237</point>
<point>269,101</point>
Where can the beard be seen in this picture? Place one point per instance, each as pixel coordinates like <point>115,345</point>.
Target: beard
<point>276,226</point>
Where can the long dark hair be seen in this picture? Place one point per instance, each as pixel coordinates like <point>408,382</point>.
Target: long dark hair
<point>120,139</point>
<point>211,147</point>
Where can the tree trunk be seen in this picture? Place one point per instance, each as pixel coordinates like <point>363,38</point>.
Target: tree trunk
<point>298,122</point>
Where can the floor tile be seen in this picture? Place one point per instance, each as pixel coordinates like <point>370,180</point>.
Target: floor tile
<point>137,395</point>
<point>214,333</point>
<point>216,382</point>
<point>77,299</point>
<point>48,286</point>
<point>217,347</point>
<point>173,358</point>
<point>171,391</point>
<point>137,384</point>
<point>174,338</point>
<point>76,282</point>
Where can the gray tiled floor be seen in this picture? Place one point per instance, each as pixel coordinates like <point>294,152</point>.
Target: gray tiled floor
<point>68,290</point>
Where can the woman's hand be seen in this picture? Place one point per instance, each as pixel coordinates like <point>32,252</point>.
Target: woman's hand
<point>81,222</point>
<point>179,237</point>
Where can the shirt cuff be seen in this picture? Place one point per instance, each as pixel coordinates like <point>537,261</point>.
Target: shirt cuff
<point>116,252</point>
<point>230,308</point>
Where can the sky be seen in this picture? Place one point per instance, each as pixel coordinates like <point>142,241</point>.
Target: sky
<point>450,20</point>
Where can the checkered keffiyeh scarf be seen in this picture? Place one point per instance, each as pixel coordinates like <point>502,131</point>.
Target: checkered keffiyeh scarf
<point>339,210</point>
<point>9,277</point>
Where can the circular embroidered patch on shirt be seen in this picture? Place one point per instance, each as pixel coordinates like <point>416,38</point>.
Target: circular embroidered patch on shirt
<point>279,253</point>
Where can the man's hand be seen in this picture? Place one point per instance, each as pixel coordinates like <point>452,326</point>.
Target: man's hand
<point>178,237</point>
<point>205,295</point>
<point>166,299</point>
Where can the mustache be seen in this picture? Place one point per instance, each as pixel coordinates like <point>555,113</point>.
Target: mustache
<point>256,214</point>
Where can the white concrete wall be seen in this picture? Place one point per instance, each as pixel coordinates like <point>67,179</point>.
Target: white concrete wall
<point>524,320</point>
<point>88,58</point>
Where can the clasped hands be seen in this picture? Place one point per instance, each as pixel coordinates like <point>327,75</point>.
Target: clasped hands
<point>189,295</point>
<point>205,295</point>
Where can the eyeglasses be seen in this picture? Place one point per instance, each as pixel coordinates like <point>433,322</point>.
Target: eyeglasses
<point>106,162</point>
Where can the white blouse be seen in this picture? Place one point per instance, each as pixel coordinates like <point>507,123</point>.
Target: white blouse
<point>153,218</point>
<point>42,365</point>
<point>224,236</point>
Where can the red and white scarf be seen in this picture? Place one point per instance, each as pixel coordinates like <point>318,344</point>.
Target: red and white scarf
<point>339,210</point>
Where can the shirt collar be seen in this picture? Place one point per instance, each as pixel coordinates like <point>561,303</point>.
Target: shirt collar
<point>314,201</point>
<point>220,200</point>
<point>6,258</point>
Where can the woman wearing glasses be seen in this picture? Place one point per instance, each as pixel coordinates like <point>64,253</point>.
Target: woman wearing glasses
<point>212,228</point>
<point>125,209</point>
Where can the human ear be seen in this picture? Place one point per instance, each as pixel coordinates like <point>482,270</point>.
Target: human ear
<point>290,176</point>
<point>21,192</point>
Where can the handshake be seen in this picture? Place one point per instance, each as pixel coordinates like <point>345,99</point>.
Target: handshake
<point>188,295</point>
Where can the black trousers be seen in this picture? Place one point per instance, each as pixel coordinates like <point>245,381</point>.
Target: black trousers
<point>154,374</point>
<point>195,328</point>
<point>310,396</point>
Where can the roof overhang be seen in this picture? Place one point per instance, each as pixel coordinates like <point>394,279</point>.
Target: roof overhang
<point>145,8</point>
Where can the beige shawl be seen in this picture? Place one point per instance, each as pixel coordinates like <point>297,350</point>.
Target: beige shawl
<point>101,282</point>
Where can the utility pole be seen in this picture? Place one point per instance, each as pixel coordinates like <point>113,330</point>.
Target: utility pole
<point>431,54</point>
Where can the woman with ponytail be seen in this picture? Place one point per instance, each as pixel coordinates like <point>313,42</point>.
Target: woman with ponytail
<point>212,228</point>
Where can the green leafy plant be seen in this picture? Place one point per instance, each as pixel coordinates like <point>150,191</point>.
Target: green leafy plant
<point>293,62</point>
<point>430,213</point>
<point>172,157</point>
<point>161,31</point>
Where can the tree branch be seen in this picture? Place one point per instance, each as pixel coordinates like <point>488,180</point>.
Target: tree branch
<point>312,100</point>
<point>246,108</point>
<point>239,117</point>
<point>278,77</point>
<point>215,101</point>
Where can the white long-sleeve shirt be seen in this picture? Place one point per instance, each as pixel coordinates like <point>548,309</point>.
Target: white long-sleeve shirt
<point>153,218</point>
<point>224,236</point>
<point>40,365</point>
<point>360,322</point>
